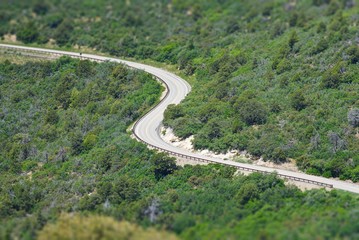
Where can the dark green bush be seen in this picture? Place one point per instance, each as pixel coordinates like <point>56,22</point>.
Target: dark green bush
<point>252,112</point>
<point>28,33</point>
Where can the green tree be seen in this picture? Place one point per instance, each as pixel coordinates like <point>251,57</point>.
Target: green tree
<point>353,52</point>
<point>173,112</point>
<point>321,46</point>
<point>322,27</point>
<point>252,112</point>
<point>28,33</point>
<point>51,116</point>
<point>163,165</point>
<point>298,100</point>
<point>63,32</point>
<point>41,7</point>
<point>332,77</point>
<point>125,189</point>
<point>84,68</point>
<point>89,141</point>
<point>320,2</point>
<point>278,155</point>
<point>333,7</point>
<point>63,89</point>
<point>247,192</point>
<point>293,39</point>
<point>76,140</point>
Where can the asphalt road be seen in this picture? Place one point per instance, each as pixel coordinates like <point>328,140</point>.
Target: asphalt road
<point>147,128</point>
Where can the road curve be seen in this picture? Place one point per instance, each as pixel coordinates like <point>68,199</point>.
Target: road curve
<point>146,129</point>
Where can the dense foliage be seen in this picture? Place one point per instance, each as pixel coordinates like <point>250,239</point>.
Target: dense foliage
<point>98,228</point>
<point>64,148</point>
<point>278,79</point>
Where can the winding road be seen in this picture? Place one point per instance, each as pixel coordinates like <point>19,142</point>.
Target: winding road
<point>146,129</point>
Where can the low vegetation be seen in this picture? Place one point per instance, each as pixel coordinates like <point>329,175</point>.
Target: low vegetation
<point>66,161</point>
<point>278,79</point>
<point>97,227</point>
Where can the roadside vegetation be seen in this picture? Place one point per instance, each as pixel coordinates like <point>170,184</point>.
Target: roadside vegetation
<point>66,161</point>
<point>277,79</point>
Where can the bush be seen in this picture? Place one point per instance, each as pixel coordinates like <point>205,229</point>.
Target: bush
<point>321,27</point>
<point>321,46</point>
<point>89,141</point>
<point>97,227</point>
<point>353,117</point>
<point>333,7</point>
<point>163,165</point>
<point>247,192</point>
<point>28,34</point>
<point>252,112</point>
<point>63,33</point>
<point>320,2</point>
<point>293,39</point>
<point>51,116</point>
<point>41,8</point>
<point>353,53</point>
<point>76,140</point>
<point>279,156</point>
<point>332,77</point>
<point>298,101</point>
<point>283,66</point>
<point>173,111</point>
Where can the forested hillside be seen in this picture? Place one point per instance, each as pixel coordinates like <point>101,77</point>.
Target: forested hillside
<point>276,78</point>
<point>64,149</point>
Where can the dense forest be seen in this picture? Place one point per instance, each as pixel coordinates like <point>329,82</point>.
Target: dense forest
<point>65,149</point>
<point>276,78</point>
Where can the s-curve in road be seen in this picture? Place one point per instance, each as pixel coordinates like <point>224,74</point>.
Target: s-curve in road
<point>146,129</point>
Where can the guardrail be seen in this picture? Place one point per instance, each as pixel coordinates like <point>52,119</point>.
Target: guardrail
<point>176,154</point>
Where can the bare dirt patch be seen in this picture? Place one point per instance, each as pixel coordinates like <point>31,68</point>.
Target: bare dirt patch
<point>168,136</point>
<point>11,38</point>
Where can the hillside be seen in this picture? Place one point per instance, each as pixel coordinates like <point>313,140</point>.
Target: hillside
<point>279,79</point>
<point>65,149</point>
<point>276,78</point>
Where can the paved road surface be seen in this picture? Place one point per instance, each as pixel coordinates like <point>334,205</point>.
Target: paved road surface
<point>147,128</point>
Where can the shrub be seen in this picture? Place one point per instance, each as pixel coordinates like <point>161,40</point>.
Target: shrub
<point>321,27</point>
<point>97,227</point>
<point>41,8</point>
<point>298,101</point>
<point>51,116</point>
<point>321,46</point>
<point>353,117</point>
<point>28,34</point>
<point>337,142</point>
<point>173,112</point>
<point>253,112</point>
<point>63,32</point>
<point>278,155</point>
<point>332,77</point>
<point>247,192</point>
<point>320,2</point>
<point>283,66</point>
<point>163,165</point>
<point>293,39</point>
<point>333,7</point>
<point>89,141</point>
<point>353,53</point>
